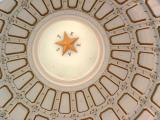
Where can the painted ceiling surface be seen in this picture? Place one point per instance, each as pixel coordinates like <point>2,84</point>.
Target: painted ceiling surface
<point>126,88</point>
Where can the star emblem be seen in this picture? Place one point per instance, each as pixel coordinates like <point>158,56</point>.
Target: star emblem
<point>67,43</point>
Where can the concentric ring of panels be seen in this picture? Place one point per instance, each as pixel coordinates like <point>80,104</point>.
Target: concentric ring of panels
<point>130,86</point>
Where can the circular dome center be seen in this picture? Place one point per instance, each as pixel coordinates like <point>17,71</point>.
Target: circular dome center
<point>70,61</point>
<point>67,50</point>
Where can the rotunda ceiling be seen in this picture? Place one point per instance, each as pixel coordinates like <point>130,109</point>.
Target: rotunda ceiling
<point>79,60</point>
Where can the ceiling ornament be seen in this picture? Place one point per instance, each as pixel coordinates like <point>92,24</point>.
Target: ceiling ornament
<point>79,60</point>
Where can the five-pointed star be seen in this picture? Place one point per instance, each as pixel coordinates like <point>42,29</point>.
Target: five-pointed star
<point>67,43</point>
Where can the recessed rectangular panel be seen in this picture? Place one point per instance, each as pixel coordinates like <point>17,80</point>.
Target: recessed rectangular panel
<point>154,7</point>
<point>5,96</point>
<point>146,60</point>
<point>19,112</point>
<point>114,23</point>
<point>120,39</point>
<point>16,64</point>
<point>27,17</point>
<point>140,83</point>
<point>17,31</point>
<point>12,48</point>
<point>109,114</point>
<point>7,5</point>
<point>88,5</point>
<point>57,4</point>
<point>48,100</point>
<point>105,10</point>
<point>39,117</point>
<point>23,79</point>
<point>118,71</point>
<point>73,3</point>
<point>145,115</point>
<point>145,36</point>
<point>136,13</point>
<point>65,103</point>
<point>121,55</point>
<point>156,96</point>
<point>81,102</point>
<point>97,97</point>
<point>34,92</point>
<point>109,85</point>
<point>127,103</point>
<point>40,6</point>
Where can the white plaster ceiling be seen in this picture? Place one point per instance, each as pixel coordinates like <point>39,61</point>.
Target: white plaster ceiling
<point>128,89</point>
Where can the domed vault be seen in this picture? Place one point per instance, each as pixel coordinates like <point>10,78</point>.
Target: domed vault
<point>79,60</point>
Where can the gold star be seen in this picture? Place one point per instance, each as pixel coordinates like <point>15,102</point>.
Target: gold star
<point>67,43</point>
